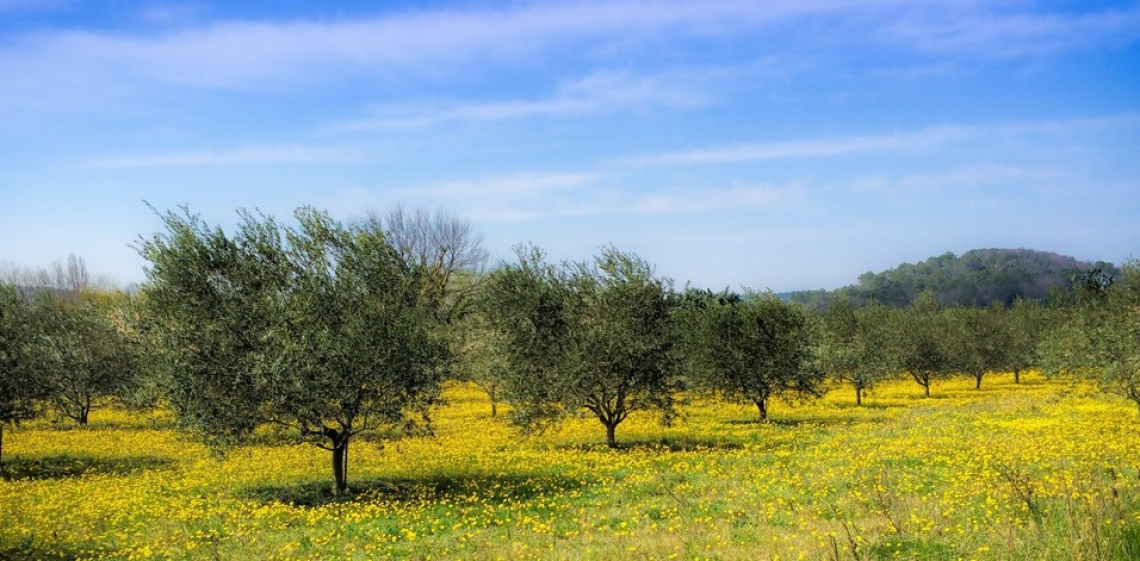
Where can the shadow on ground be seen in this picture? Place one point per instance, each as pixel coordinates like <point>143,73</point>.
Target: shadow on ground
<point>665,444</point>
<point>483,488</point>
<point>27,552</point>
<point>61,466</point>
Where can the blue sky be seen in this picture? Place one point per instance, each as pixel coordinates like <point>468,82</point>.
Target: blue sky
<point>766,144</point>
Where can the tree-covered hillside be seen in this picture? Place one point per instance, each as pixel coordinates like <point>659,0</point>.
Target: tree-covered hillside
<point>977,277</point>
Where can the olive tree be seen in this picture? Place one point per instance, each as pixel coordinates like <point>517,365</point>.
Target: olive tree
<point>593,336</point>
<point>20,388</point>
<point>752,348</point>
<point>1026,321</point>
<point>921,336</point>
<point>856,344</point>
<point>479,355</point>
<point>978,340</point>
<point>1101,337</point>
<point>317,327</point>
<point>87,360</point>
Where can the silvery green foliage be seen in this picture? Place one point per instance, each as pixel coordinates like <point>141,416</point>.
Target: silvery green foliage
<point>1101,337</point>
<point>752,348</point>
<point>20,387</point>
<point>316,326</point>
<point>583,336</point>
<point>856,344</point>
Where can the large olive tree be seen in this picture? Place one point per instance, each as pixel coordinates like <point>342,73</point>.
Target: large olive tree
<point>316,326</point>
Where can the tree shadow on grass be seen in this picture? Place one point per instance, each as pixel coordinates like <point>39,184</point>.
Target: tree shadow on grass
<point>61,466</point>
<point>485,488</point>
<point>664,444</point>
<point>785,422</point>
<point>43,552</point>
<point>808,421</point>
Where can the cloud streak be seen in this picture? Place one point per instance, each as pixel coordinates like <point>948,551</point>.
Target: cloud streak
<point>600,92</point>
<point>287,154</point>
<point>894,142</point>
<point>244,55</point>
<point>527,197</point>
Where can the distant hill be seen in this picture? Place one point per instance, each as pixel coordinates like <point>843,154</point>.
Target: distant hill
<point>977,277</point>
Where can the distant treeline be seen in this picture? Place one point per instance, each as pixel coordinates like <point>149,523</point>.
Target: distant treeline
<point>978,277</point>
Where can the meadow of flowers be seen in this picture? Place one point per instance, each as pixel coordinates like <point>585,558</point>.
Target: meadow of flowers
<point>1045,469</point>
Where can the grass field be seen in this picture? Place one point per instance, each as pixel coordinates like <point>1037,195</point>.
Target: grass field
<point>1040,470</point>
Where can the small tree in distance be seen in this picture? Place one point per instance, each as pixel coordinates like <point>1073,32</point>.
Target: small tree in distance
<point>1025,322</point>
<point>978,340</point>
<point>447,250</point>
<point>921,334</point>
<point>480,356</point>
<point>87,359</point>
<point>752,348</point>
<point>583,336</point>
<point>856,344</point>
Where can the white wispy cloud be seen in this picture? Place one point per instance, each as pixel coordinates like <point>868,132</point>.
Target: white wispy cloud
<point>813,148</point>
<point>242,54</point>
<point>250,54</point>
<point>503,186</point>
<point>502,198</point>
<point>243,155</point>
<point>998,176</point>
<point>534,196</point>
<point>735,196</point>
<point>926,138</point>
<point>599,92</point>
<point>996,34</point>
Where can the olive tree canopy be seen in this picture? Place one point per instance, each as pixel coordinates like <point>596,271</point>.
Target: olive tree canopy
<point>751,348</point>
<point>316,326</point>
<point>593,336</point>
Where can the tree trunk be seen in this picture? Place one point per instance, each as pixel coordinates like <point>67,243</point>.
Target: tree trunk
<point>1,441</point>
<point>978,381</point>
<point>1017,376</point>
<point>340,464</point>
<point>762,408</point>
<point>926,386</point>
<point>611,438</point>
<point>494,408</point>
<point>84,412</point>
<point>858,396</point>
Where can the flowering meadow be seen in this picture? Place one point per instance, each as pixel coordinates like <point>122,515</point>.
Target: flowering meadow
<point>1044,469</point>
